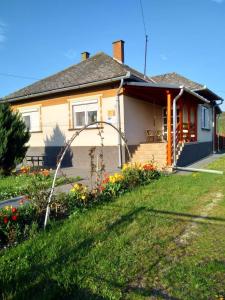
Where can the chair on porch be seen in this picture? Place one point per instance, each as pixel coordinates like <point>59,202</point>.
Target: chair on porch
<point>159,135</point>
<point>150,135</point>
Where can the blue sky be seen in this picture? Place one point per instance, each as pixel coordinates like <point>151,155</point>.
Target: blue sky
<point>39,38</point>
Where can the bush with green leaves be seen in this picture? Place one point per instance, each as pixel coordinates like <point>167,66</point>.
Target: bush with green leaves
<point>14,137</point>
<point>17,224</point>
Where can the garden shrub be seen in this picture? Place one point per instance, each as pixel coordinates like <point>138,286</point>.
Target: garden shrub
<point>16,224</point>
<point>14,137</point>
<point>132,175</point>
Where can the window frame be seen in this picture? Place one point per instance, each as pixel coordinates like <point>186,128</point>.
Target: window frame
<point>205,118</point>
<point>28,112</point>
<point>86,110</point>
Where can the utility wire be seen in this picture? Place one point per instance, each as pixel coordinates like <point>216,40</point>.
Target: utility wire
<point>18,76</point>
<point>146,37</point>
<point>143,18</point>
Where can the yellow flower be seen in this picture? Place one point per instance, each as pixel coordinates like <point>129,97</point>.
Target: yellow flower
<point>77,187</point>
<point>8,207</point>
<point>83,197</point>
<point>125,167</point>
<point>115,178</point>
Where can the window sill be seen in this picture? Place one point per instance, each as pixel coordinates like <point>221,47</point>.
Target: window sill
<point>38,131</point>
<point>89,128</point>
<point>206,129</point>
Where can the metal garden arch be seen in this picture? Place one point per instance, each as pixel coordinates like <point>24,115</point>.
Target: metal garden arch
<point>66,147</point>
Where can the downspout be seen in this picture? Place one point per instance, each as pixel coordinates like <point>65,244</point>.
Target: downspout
<point>119,119</point>
<point>175,123</point>
<point>213,128</point>
<point>218,135</point>
<point>215,123</point>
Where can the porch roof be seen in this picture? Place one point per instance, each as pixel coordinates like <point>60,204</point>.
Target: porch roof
<point>156,92</point>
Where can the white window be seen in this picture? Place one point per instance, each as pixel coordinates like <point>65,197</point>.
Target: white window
<point>85,113</point>
<point>32,119</point>
<point>205,118</point>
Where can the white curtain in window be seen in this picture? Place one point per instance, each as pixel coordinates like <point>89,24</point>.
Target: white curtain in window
<point>85,112</point>
<point>34,116</point>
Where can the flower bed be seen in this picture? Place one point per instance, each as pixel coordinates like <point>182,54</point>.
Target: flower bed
<point>132,175</point>
<point>16,224</point>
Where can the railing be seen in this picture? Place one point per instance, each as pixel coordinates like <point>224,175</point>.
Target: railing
<point>184,133</point>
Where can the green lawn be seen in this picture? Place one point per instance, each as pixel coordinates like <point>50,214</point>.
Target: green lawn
<point>12,186</point>
<point>129,248</point>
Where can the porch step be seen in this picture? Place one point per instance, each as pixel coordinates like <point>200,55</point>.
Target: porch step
<point>155,152</point>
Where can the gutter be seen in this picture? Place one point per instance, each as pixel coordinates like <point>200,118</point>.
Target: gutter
<point>71,88</point>
<point>205,88</point>
<point>128,75</point>
<point>196,95</point>
<point>168,86</point>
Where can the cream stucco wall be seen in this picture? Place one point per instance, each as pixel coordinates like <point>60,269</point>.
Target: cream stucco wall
<point>56,123</point>
<point>204,135</point>
<point>139,115</point>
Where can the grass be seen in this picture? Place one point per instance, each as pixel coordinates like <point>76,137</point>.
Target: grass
<point>12,186</point>
<point>127,249</point>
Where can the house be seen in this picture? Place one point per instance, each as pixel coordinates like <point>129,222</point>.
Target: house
<point>145,110</point>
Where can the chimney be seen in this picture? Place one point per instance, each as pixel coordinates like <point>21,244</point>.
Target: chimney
<point>118,51</point>
<point>85,55</point>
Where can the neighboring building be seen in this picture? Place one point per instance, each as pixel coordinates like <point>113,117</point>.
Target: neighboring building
<point>55,107</point>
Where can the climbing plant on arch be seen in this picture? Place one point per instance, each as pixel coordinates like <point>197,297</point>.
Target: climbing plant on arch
<point>66,147</point>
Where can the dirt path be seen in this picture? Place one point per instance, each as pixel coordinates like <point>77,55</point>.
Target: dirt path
<point>192,229</point>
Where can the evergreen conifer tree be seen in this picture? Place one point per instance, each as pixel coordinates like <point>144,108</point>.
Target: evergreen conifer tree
<point>13,139</point>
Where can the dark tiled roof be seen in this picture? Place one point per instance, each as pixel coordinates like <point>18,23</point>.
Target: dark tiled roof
<point>174,78</point>
<point>97,68</point>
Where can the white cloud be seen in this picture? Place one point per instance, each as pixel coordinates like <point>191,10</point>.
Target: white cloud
<point>71,54</point>
<point>218,1</point>
<point>2,32</point>
<point>163,57</point>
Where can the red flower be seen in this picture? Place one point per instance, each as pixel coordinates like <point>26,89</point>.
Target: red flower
<point>5,220</point>
<point>14,210</point>
<point>14,218</point>
<point>148,167</point>
<point>105,181</point>
<point>101,188</point>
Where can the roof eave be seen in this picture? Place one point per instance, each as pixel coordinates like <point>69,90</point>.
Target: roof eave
<point>168,86</point>
<point>67,89</point>
<point>210,91</point>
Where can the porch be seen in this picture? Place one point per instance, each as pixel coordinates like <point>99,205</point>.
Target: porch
<point>158,136</point>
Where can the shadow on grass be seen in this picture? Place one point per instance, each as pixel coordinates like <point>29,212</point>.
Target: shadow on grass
<point>160,294</point>
<point>50,289</point>
<point>185,216</point>
<point>59,276</point>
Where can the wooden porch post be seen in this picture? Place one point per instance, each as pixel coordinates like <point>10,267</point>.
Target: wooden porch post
<point>181,120</point>
<point>189,121</point>
<point>169,138</point>
<point>196,122</point>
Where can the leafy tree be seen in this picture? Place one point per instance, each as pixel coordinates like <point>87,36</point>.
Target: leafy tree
<point>13,138</point>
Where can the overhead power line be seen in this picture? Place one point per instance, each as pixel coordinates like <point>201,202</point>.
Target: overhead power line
<point>18,76</point>
<point>143,18</point>
<point>146,37</point>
